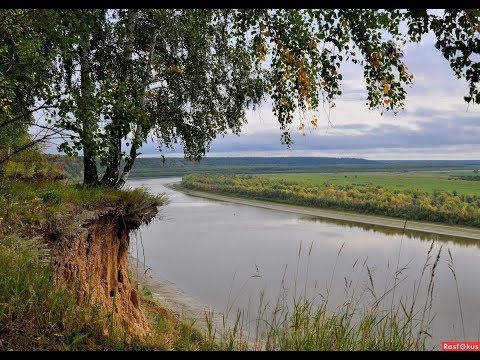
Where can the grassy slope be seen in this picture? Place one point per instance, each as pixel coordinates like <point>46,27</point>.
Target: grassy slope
<point>34,313</point>
<point>30,206</point>
<point>425,181</point>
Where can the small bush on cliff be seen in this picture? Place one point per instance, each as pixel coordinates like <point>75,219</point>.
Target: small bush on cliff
<point>137,200</point>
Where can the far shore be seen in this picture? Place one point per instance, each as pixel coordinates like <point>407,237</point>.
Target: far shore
<point>433,228</point>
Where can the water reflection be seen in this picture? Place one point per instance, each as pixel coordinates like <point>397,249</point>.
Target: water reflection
<point>386,230</point>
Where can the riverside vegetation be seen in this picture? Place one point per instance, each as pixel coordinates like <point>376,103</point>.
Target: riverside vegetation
<point>36,314</point>
<point>411,203</point>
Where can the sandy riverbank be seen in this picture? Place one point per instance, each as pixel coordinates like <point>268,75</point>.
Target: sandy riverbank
<point>169,295</point>
<point>433,228</point>
<point>186,307</point>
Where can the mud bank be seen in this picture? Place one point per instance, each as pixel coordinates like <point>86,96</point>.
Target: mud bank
<point>95,262</point>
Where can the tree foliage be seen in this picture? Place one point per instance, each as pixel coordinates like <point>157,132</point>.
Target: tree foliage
<point>26,68</point>
<point>171,74</point>
<point>306,48</point>
<point>26,59</point>
<point>112,79</point>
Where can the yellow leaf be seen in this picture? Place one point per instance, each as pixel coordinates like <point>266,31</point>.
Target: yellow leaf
<point>375,63</point>
<point>386,88</point>
<point>262,26</point>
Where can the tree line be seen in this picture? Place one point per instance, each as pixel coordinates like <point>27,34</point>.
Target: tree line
<point>410,204</point>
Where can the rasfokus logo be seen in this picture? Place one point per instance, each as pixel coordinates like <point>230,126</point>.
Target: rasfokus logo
<point>461,346</point>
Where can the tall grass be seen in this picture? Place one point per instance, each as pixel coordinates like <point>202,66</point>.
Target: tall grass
<point>35,314</point>
<point>387,322</point>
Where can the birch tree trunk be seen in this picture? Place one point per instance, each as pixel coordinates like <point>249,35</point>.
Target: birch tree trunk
<point>137,136</point>
<point>90,175</point>
<point>112,173</point>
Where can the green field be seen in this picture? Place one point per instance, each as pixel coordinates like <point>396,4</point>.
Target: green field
<point>424,181</point>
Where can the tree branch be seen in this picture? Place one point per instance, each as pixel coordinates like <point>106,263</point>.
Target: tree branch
<point>28,145</point>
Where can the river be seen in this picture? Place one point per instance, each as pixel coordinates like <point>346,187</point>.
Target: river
<point>225,255</point>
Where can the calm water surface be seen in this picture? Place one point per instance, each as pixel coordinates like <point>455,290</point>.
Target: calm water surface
<point>225,254</point>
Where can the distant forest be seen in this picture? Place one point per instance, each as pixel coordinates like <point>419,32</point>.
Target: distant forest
<point>155,167</point>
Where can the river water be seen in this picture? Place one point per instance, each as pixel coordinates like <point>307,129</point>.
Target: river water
<point>228,256</point>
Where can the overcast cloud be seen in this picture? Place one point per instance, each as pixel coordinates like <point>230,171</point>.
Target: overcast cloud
<point>436,124</point>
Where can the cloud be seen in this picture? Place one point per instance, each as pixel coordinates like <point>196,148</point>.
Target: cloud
<point>449,136</point>
<point>352,127</point>
<point>427,112</point>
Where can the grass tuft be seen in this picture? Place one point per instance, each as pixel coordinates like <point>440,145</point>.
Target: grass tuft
<point>30,207</point>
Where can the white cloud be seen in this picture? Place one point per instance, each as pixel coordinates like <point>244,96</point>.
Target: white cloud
<point>437,123</point>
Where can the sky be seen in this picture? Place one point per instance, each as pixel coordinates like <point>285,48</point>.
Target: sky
<point>436,123</point>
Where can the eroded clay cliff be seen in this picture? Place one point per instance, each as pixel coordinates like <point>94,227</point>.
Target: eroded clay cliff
<point>95,261</point>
